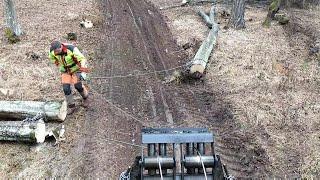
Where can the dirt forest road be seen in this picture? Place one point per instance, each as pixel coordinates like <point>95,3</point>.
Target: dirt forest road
<point>134,56</point>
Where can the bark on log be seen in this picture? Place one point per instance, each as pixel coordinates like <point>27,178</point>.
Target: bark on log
<point>212,14</point>
<point>23,131</point>
<point>54,111</point>
<point>185,2</point>
<point>201,58</point>
<point>197,1</point>
<point>206,18</point>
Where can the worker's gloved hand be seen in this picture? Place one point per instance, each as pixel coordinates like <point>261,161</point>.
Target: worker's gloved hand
<point>82,76</point>
<point>56,63</point>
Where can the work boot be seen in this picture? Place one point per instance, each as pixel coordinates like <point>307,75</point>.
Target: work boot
<point>71,105</point>
<point>86,99</point>
<point>86,102</point>
<point>71,109</point>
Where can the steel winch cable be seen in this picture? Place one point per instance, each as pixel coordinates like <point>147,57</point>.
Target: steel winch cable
<point>109,139</point>
<point>120,109</point>
<point>203,167</point>
<point>160,169</point>
<point>125,175</point>
<point>136,75</point>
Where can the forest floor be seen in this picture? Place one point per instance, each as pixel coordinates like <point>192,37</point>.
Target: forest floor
<point>259,95</point>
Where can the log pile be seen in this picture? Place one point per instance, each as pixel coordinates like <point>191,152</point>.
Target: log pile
<point>53,111</point>
<point>32,130</point>
<point>24,121</point>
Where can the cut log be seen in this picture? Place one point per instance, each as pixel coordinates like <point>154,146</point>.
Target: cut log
<point>186,2</point>
<point>197,1</point>
<point>23,131</point>
<point>53,111</point>
<point>201,58</point>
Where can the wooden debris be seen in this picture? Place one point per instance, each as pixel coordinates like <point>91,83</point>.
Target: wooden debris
<point>54,111</point>
<point>57,133</point>
<point>86,23</point>
<point>6,92</point>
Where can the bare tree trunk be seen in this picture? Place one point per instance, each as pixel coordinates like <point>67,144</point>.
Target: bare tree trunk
<point>237,18</point>
<point>206,18</point>
<point>11,17</point>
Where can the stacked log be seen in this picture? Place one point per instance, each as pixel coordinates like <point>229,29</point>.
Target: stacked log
<point>23,121</point>
<point>53,111</point>
<point>32,130</point>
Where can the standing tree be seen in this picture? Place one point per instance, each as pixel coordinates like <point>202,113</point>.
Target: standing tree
<point>11,18</point>
<point>237,18</point>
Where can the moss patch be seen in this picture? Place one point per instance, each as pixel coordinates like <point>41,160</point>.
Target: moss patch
<point>11,36</point>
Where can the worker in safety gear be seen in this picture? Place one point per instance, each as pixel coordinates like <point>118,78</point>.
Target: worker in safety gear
<point>72,65</point>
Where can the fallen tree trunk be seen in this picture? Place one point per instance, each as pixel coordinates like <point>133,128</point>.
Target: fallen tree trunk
<point>201,58</point>
<point>53,111</point>
<point>206,18</point>
<point>23,131</point>
<point>197,1</point>
<point>185,2</point>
